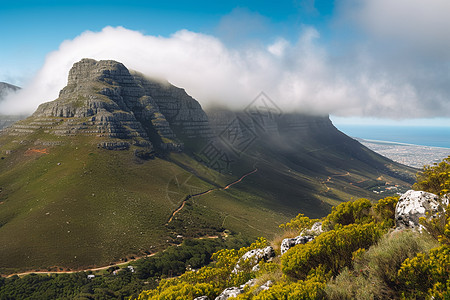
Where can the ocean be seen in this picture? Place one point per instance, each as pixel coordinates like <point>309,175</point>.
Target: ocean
<point>414,135</point>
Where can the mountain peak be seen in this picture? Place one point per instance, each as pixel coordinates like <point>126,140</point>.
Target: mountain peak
<point>104,99</point>
<point>89,69</point>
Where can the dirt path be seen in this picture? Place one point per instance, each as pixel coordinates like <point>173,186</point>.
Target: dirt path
<point>329,179</point>
<point>83,270</point>
<point>207,192</point>
<point>101,268</point>
<point>131,260</point>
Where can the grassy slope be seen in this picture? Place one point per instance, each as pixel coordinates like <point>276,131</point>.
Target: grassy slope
<point>95,207</point>
<point>81,206</point>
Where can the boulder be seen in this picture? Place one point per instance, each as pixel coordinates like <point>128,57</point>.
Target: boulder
<point>413,205</point>
<point>265,286</point>
<point>316,229</point>
<point>287,244</point>
<point>249,283</point>
<point>230,292</point>
<point>253,257</point>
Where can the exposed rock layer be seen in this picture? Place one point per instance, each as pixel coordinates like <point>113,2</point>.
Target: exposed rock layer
<point>102,98</point>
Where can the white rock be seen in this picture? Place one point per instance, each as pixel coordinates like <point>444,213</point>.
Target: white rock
<point>266,285</point>
<point>254,257</point>
<point>316,229</point>
<point>413,205</point>
<point>287,244</point>
<point>249,283</point>
<point>230,292</point>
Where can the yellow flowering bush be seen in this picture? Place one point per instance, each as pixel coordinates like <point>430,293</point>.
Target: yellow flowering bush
<point>384,211</point>
<point>435,178</point>
<point>209,280</point>
<point>346,213</point>
<point>332,249</point>
<point>426,276</point>
<point>299,223</point>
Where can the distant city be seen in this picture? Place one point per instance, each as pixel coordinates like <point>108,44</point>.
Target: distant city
<point>411,155</point>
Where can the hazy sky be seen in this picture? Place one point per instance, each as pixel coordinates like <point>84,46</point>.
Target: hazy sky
<point>350,58</point>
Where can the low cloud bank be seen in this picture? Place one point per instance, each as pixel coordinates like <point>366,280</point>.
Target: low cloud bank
<point>372,74</point>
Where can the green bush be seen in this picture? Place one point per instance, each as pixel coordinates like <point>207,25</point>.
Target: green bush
<point>346,213</point>
<point>332,249</point>
<point>384,211</point>
<point>209,280</point>
<point>435,178</point>
<point>427,275</point>
<point>299,223</point>
<point>374,272</point>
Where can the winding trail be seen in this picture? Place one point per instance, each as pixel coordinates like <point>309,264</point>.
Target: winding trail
<point>207,192</point>
<point>82,270</point>
<point>130,260</point>
<point>331,176</point>
<point>100,268</point>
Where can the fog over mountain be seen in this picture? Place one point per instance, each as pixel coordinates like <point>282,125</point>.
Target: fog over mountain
<point>391,69</point>
<point>6,88</point>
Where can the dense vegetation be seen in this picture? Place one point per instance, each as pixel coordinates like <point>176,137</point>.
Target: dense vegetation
<point>116,283</point>
<point>359,256</point>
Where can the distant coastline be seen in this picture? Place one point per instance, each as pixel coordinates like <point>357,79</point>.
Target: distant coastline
<point>411,155</point>
<point>429,136</point>
<point>396,143</point>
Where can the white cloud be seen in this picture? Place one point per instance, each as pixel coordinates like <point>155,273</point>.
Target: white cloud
<point>202,64</point>
<point>371,76</point>
<point>279,47</point>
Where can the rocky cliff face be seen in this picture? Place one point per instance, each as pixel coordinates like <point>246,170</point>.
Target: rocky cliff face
<point>103,99</point>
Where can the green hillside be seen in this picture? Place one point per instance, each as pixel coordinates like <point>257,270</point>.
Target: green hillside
<point>95,176</point>
<point>360,255</point>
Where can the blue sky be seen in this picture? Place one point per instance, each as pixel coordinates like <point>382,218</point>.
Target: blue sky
<point>361,61</point>
<point>34,28</point>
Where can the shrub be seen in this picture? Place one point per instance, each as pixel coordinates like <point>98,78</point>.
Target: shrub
<point>346,213</point>
<point>384,211</point>
<point>374,272</point>
<point>435,178</point>
<point>209,280</point>
<point>299,223</point>
<point>180,291</point>
<point>311,288</point>
<point>427,275</point>
<point>332,249</point>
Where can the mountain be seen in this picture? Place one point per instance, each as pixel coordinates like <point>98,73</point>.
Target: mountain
<point>121,165</point>
<point>7,120</point>
<point>7,88</point>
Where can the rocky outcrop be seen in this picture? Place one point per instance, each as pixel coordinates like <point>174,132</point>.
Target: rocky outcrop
<point>315,230</point>
<point>184,114</point>
<point>253,257</point>
<point>230,292</point>
<point>287,244</point>
<point>235,291</point>
<point>103,99</point>
<point>265,286</point>
<point>414,205</point>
